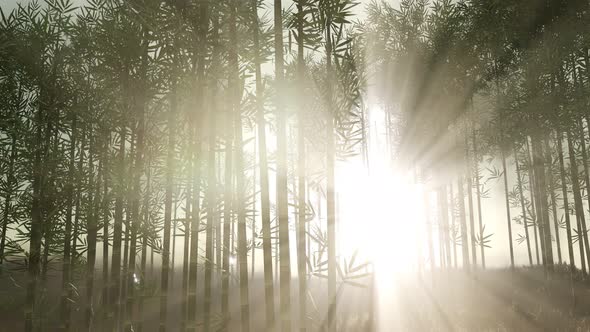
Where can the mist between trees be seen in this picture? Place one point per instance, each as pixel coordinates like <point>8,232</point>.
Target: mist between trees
<point>154,177</point>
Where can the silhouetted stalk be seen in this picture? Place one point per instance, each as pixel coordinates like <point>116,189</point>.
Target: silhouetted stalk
<point>65,307</point>
<point>264,182</point>
<point>508,219</point>
<point>429,238</point>
<point>582,238</point>
<point>330,183</point>
<point>282,189</point>
<point>141,105</point>
<point>91,229</point>
<point>7,200</point>
<point>587,182</point>
<point>151,273</point>
<point>532,187</point>
<point>234,116</point>
<point>171,276</point>
<point>564,193</point>
<point>453,227</point>
<point>113,322</point>
<point>195,136</point>
<point>218,227</point>
<point>211,193</point>
<point>523,206</point>
<point>301,204</point>
<point>253,227</point>
<point>128,223</point>
<point>463,225</point>
<point>186,244</point>
<point>11,179</point>
<point>444,218</point>
<point>242,240</point>
<point>106,206</point>
<point>308,253</point>
<point>539,167</point>
<point>169,189</point>
<point>144,245</point>
<point>227,217</point>
<point>553,198</point>
<point>479,211</point>
<point>36,229</point>
<point>470,202</point>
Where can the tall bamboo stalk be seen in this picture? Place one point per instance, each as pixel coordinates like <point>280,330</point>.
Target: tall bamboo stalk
<point>478,195</point>
<point>581,219</point>
<point>553,199</point>
<point>264,182</point>
<point>463,224</point>
<point>282,189</point>
<point>508,219</point>
<point>301,203</point>
<point>565,194</point>
<point>525,222</point>
<point>170,164</point>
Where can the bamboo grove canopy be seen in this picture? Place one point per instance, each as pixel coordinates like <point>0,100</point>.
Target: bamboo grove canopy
<point>148,142</point>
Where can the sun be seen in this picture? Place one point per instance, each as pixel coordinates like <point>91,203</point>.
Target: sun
<point>380,216</point>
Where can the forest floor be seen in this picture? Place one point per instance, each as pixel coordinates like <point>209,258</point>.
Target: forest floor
<point>526,299</point>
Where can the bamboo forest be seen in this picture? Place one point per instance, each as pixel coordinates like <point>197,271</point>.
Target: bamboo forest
<point>294,165</point>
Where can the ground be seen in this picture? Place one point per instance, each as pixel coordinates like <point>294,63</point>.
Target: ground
<point>526,299</point>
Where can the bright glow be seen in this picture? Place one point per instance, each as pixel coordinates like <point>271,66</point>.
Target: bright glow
<point>135,279</point>
<point>381,216</point>
<point>232,260</point>
<point>380,213</point>
<point>389,208</point>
